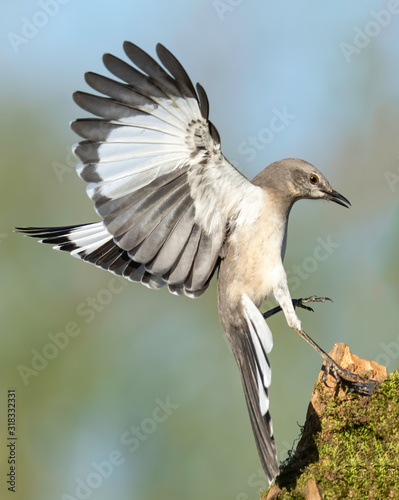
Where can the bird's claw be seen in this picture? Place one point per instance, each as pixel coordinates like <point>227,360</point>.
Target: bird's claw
<point>330,369</point>
<point>301,302</point>
<point>302,306</point>
<point>355,383</point>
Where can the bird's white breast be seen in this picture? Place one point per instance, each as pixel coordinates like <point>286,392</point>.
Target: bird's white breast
<point>256,253</point>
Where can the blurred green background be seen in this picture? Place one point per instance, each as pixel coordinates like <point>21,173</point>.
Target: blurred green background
<point>133,347</point>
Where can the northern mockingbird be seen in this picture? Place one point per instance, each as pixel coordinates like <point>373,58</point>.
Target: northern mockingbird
<point>174,211</point>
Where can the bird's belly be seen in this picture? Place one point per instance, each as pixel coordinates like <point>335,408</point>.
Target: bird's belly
<point>255,266</point>
<point>265,274</point>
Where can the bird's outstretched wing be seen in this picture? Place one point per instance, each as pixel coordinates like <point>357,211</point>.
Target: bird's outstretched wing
<point>155,170</point>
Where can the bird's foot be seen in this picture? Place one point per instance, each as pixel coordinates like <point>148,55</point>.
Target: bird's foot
<point>355,383</point>
<point>352,381</point>
<point>297,303</point>
<point>301,302</point>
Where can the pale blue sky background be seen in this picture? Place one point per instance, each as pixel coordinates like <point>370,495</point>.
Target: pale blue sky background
<point>143,345</point>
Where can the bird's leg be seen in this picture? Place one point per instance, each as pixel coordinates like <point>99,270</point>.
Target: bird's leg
<point>354,382</point>
<point>296,303</point>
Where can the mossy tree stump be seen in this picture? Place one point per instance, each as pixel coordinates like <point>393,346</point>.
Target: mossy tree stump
<point>349,447</point>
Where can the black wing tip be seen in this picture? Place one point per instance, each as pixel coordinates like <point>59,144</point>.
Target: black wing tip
<point>90,74</point>
<point>214,133</point>
<point>75,126</point>
<point>160,49</point>
<point>129,46</point>
<point>36,230</point>
<point>109,59</point>
<point>77,96</point>
<point>107,56</point>
<point>29,231</point>
<point>203,101</point>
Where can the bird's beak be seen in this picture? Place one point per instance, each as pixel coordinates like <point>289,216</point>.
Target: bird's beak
<point>337,198</point>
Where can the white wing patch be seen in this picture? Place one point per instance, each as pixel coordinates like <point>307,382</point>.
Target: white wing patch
<point>87,239</point>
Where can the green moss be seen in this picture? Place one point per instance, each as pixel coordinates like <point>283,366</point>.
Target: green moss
<point>353,451</point>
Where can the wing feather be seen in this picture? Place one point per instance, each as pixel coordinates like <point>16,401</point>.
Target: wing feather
<point>132,76</point>
<point>183,264</point>
<point>171,253</point>
<point>96,130</point>
<point>149,248</point>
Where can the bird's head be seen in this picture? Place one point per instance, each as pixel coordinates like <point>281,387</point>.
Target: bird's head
<point>297,179</point>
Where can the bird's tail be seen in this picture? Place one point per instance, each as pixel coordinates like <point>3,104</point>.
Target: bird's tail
<point>251,357</point>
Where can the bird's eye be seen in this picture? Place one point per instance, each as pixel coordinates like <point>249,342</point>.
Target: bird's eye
<point>314,179</point>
